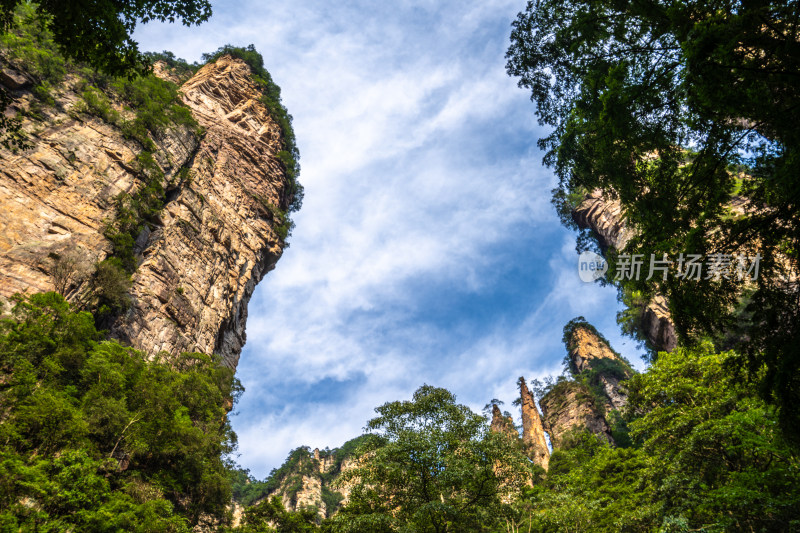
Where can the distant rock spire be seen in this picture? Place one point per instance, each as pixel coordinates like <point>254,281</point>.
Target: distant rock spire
<point>533,439</point>
<point>503,424</point>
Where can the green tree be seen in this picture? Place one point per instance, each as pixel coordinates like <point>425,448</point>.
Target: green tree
<point>436,467</point>
<point>720,458</point>
<point>705,455</point>
<point>98,32</point>
<point>677,108</point>
<point>94,436</point>
<point>270,515</point>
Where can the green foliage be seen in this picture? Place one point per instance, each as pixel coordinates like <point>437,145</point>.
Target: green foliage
<point>61,31</point>
<point>109,287</point>
<point>631,317</point>
<point>271,98</point>
<point>95,437</point>
<point>98,104</point>
<point>282,224</point>
<point>177,66</point>
<point>154,102</point>
<point>134,210</point>
<point>730,466</point>
<point>28,43</point>
<point>74,23</point>
<point>436,468</point>
<point>673,108</point>
<point>270,515</point>
<point>701,453</point>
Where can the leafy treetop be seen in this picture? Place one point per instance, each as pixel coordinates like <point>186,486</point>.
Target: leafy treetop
<point>98,32</point>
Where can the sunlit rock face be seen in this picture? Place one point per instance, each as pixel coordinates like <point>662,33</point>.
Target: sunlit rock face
<point>586,403</point>
<point>570,408</point>
<point>604,216</point>
<point>503,424</point>
<point>201,257</point>
<point>590,352</point>
<point>533,439</point>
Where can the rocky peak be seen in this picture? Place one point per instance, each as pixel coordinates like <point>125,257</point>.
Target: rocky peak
<point>217,238</point>
<point>533,438</point>
<point>200,258</point>
<point>503,424</point>
<point>586,348</point>
<point>570,407</point>
<point>589,352</point>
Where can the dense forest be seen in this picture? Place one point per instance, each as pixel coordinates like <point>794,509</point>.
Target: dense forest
<point>678,111</point>
<point>97,437</point>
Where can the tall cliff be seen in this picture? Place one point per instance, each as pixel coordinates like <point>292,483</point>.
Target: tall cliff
<point>200,256</point>
<point>604,217</point>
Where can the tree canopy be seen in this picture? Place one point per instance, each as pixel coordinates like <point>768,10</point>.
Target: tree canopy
<point>687,113</point>
<point>437,468</point>
<point>704,454</point>
<point>98,32</point>
<point>96,437</point>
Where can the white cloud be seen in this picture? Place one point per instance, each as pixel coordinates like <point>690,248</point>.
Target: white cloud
<point>425,200</point>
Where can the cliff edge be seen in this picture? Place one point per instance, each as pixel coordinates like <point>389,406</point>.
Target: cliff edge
<point>220,226</point>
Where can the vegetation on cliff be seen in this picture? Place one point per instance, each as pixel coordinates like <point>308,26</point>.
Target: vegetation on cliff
<point>705,454</point>
<point>675,109</point>
<point>72,24</point>
<point>95,436</point>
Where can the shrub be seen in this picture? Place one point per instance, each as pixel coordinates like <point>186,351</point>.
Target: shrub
<point>97,437</point>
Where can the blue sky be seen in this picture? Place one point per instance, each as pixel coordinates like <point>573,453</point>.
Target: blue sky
<point>426,250</point>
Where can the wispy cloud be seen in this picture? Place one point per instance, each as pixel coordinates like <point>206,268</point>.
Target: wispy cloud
<point>426,251</point>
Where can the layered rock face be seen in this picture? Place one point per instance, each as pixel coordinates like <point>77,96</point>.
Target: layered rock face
<point>570,407</point>
<point>605,218</point>
<point>217,238</point>
<point>589,352</point>
<point>533,438</point>
<point>57,196</point>
<point>207,249</point>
